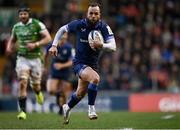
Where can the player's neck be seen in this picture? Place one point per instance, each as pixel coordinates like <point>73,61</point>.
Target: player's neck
<point>91,24</point>
<point>26,21</point>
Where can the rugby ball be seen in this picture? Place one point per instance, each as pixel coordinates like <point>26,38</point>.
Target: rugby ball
<point>95,35</point>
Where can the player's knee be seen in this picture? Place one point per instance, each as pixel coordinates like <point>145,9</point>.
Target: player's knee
<point>51,89</point>
<point>52,92</point>
<point>96,80</point>
<point>80,95</point>
<point>23,83</point>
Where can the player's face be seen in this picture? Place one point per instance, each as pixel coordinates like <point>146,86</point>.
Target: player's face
<point>93,14</point>
<point>23,16</point>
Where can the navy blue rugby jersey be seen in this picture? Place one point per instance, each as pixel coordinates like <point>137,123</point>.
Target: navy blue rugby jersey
<point>84,53</point>
<point>64,55</point>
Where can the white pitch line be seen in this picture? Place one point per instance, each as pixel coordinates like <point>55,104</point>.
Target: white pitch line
<point>166,117</point>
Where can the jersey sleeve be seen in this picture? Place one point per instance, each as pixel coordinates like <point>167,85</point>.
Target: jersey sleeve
<point>42,26</point>
<point>72,26</point>
<point>107,32</point>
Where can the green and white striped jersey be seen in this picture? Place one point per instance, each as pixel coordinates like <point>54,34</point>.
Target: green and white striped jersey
<point>26,33</point>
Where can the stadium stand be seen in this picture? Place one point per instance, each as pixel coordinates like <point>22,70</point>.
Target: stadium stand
<point>147,34</point>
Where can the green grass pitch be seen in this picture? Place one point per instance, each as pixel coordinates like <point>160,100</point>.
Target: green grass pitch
<point>79,120</point>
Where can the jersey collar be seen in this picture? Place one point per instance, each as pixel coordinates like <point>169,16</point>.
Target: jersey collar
<point>29,21</point>
<point>97,24</point>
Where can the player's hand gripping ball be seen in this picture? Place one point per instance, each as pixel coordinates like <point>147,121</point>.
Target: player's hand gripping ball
<point>95,35</point>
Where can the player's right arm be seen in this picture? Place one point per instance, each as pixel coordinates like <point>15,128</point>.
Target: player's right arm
<point>10,43</point>
<point>53,50</point>
<point>70,27</point>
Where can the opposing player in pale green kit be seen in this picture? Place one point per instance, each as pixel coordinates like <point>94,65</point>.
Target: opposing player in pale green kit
<point>29,34</point>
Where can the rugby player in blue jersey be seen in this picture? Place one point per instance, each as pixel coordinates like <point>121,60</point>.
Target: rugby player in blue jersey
<point>86,57</point>
<point>58,82</point>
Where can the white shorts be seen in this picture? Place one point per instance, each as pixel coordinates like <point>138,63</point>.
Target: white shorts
<point>29,69</point>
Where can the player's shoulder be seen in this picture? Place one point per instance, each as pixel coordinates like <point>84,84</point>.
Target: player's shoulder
<point>102,23</point>
<point>83,21</point>
<point>78,21</point>
<point>38,23</point>
<point>75,23</point>
<point>34,20</point>
<point>17,24</point>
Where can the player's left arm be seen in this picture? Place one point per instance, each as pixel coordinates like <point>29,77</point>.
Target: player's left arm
<point>109,40</point>
<point>45,36</point>
<point>63,65</point>
<point>53,50</point>
<point>70,27</point>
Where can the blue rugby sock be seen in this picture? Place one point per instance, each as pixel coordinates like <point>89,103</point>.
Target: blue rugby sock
<point>92,93</point>
<point>73,101</point>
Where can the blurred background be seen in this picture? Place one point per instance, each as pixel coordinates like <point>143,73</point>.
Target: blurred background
<point>145,67</point>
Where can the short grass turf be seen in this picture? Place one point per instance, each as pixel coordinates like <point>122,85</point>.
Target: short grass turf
<point>79,120</point>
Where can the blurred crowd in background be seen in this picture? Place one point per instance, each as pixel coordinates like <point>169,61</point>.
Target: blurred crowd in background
<point>147,34</point>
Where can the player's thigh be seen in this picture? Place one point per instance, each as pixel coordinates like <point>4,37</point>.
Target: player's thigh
<point>65,85</point>
<point>88,74</point>
<point>82,87</point>
<point>36,71</point>
<point>22,68</point>
<point>52,85</point>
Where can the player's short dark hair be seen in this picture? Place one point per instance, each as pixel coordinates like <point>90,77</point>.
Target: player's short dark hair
<point>24,7</point>
<point>94,4</point>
